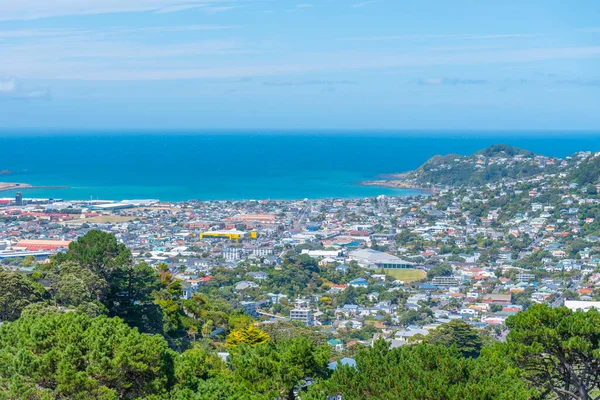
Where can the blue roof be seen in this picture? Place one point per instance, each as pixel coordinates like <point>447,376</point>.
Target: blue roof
<point>427,286</point>
<point>344,361</point>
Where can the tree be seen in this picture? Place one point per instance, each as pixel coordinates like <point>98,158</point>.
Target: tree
<point>273,370</point>
<point>74,285</point>
<point>559,349</point>
<point>195,366</point>
<point>457,333</point>
<point>130,297</point>
<point>443,269</point>
<point>219,388</point>
<point>422,316</point>
<point>249,335</point>
<point>69,355</point>
<point>97,251</point>
<point>168,298</point>
<point>28,261</point>
<point>419,372</point>
<point>281,331</point>
<point>210,312</point>
<point>240,321</point>
<point>16,293</point>
<point>495,307</point>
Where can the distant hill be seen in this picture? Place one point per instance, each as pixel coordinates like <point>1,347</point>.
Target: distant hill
<point>485,166</point>
<point>586,173</point>
<point>499,150</point>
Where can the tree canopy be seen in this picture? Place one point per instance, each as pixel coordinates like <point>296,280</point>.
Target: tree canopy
<point>97,251</point>
<point>273,370</point>
<point>16,293</point>
<point>422,371</point>
<point>248,335</point>
<point>558,349</point>
<point>69,355</point>
<point>457,333</point>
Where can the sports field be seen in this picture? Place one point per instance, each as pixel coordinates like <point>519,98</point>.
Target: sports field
<point>406,275</point>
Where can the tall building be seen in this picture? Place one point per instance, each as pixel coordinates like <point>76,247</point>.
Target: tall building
<point>19,199</point>
<point>445,281</point>
<point>250,308</point>
<point>303,315</point>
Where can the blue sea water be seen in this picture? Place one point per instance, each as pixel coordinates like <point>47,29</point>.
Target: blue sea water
<point>174,166</point>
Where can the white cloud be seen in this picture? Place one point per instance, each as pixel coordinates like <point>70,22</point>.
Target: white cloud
<point>434,81</point>
<point>142,66</point>
<point>593,30</point>
<point>16,34</point>
<point>208,9</point>
<point>8,85</point>
<point>365,3</point>
<point>35,9</point>
<point>178,8</point>
<point>218,9</point>
<point>10,89</point>
<point>33,33</point>
<point>61,50</point>
<point>451,81</point>
<point>460,36</point>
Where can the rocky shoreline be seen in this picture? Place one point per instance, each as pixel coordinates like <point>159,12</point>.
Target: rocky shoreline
<point>394,184</point>
<point>396,181</point>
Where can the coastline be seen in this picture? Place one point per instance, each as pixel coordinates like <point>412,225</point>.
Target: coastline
<point>292,167</point>
<point>9,186</point>
<point>395,184</point>
<point>395,181</point>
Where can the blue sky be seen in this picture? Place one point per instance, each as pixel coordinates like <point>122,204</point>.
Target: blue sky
<point>279,64</point>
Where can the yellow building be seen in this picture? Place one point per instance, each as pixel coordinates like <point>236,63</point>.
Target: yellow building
<point>230,234</point>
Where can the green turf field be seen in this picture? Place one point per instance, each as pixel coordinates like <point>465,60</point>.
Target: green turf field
<point>406,275</point>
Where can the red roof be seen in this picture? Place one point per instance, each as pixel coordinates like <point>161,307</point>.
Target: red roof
<point>34,245</point>
<point>341,286</point>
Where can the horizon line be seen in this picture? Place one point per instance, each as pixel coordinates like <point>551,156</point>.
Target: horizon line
<point>258,131</point>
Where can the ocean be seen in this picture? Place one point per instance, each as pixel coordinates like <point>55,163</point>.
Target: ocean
<point>179,166</point>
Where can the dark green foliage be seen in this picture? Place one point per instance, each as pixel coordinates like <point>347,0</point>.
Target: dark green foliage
<point>72,356</point>
<point>195,366</point>
<point>274,369</point>
<point>16,293</point>
<point>534,260</point>
<point>459,170</point>
<point>210,313</point>
<point>220,388</point>
<point>443,269</point>
<point>588,172</point>
<point>74,285</point>
<point>98,269</point>
<point>97,251</point>
<point>422,372</point>
<point>282,331</point>
<point>422,316</point>
<point>504,150</point>
<point>457,333</point>
<point>558,349</point>
<point>130,297</point>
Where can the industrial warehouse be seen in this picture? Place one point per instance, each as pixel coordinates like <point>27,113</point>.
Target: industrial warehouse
<point>369,258</point>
